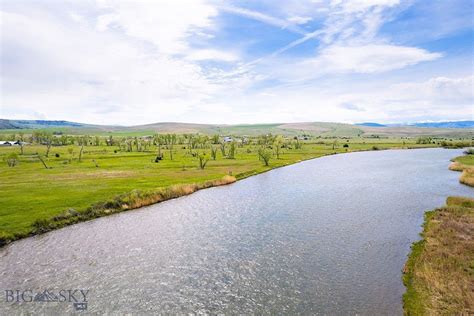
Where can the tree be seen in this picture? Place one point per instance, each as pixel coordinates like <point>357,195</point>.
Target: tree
<point>47,140</point>
<point>223,149</point>
<point>265,155</point>
<point>21,142</point>
<point>80,152</point>
<point>335,144</point>
<point>215,139</point>
<point>423,140</point>
<point>170,140</point>
<point>42,161</point>
<point>298,144</point>
<point>277,143</point>
<point>231,153</point>
<point>202,161</point>
<point>158,141</point>
<point>213,153</point>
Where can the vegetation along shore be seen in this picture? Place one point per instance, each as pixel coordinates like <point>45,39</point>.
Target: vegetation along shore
<point>439,273</point>
<point>53,180</point>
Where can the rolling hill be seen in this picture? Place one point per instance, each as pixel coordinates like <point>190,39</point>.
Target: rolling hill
<point>323,129</point>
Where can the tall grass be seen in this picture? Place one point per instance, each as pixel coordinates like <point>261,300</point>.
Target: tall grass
<point>467,175</point>
<point>439,270</point>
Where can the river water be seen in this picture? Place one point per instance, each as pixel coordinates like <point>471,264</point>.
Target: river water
<point>325,236</point>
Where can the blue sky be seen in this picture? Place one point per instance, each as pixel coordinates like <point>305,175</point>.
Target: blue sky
<point>136,62</point>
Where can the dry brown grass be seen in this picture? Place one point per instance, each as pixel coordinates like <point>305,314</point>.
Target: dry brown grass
<point>456,166</point>
<point>138,199</point>
<point>467,175</point>
<point>440,270</point>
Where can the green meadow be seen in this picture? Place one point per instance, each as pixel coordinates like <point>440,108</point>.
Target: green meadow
<point>33,191</point>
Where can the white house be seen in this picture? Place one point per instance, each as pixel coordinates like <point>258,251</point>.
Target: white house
<point>228,139</point>
<point>11,143</point>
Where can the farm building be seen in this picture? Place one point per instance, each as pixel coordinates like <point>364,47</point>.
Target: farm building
<point>11,143</point>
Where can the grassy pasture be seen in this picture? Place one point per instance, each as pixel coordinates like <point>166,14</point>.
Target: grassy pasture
<point>30,192</point>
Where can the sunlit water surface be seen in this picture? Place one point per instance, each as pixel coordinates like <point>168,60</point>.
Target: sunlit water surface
<point>326,236</point>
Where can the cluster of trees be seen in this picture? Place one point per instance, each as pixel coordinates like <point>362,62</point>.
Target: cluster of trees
<point>266,146</point>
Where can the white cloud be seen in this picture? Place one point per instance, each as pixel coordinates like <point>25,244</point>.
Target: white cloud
<point>60,68</point>
<point>372,58</point>
<point>352,6</point>
<point>440,90</point>
<point>124,62</point>
<point>166,24</point>
<point>212,54</point>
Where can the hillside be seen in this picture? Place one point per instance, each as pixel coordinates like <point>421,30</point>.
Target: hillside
<point>323,129</point>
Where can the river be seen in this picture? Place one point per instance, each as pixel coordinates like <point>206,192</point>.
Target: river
<point>324,236</point>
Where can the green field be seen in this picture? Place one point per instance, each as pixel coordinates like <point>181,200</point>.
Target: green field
<point>31,192</point>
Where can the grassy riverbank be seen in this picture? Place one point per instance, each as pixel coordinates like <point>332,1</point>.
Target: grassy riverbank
<point>464,164</point>
<point>439,272</point>
<point>35,199</point>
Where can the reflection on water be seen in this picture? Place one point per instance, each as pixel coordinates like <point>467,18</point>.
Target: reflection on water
<point>325,236</point>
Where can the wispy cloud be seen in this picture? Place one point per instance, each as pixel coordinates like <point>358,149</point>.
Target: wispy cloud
<point>120,62</point>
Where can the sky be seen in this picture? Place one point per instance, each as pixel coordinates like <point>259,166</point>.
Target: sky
<point>229,62</point>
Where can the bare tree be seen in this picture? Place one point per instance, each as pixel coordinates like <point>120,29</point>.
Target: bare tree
<point>42,161</point>
<point>170,140</point>
<point>277,143</point>
<point>213,153</point>
<point>80,152</point>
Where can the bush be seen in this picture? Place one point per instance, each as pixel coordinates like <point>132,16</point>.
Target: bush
<point>41,226</point>
<point>12,159</point>
<point>469,151</point>
<point>5,238</point>
<point>345,146</point>
<point>375,148</point>
<point>57,155</point>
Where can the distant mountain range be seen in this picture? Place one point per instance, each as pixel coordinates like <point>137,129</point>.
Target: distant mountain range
<point>323,129</point>
<point>370,124</point>
<point>453,124</point>
<point>447,124</point>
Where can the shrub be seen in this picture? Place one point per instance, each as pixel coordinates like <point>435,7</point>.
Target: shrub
<point>12,159</point>
<point>375,148</point>
<point>5,238</point>
<point>469,151</point>
<point>202,161</point>
<point>345,145</point>
<point>57,155</point>
<point>41,226</point>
